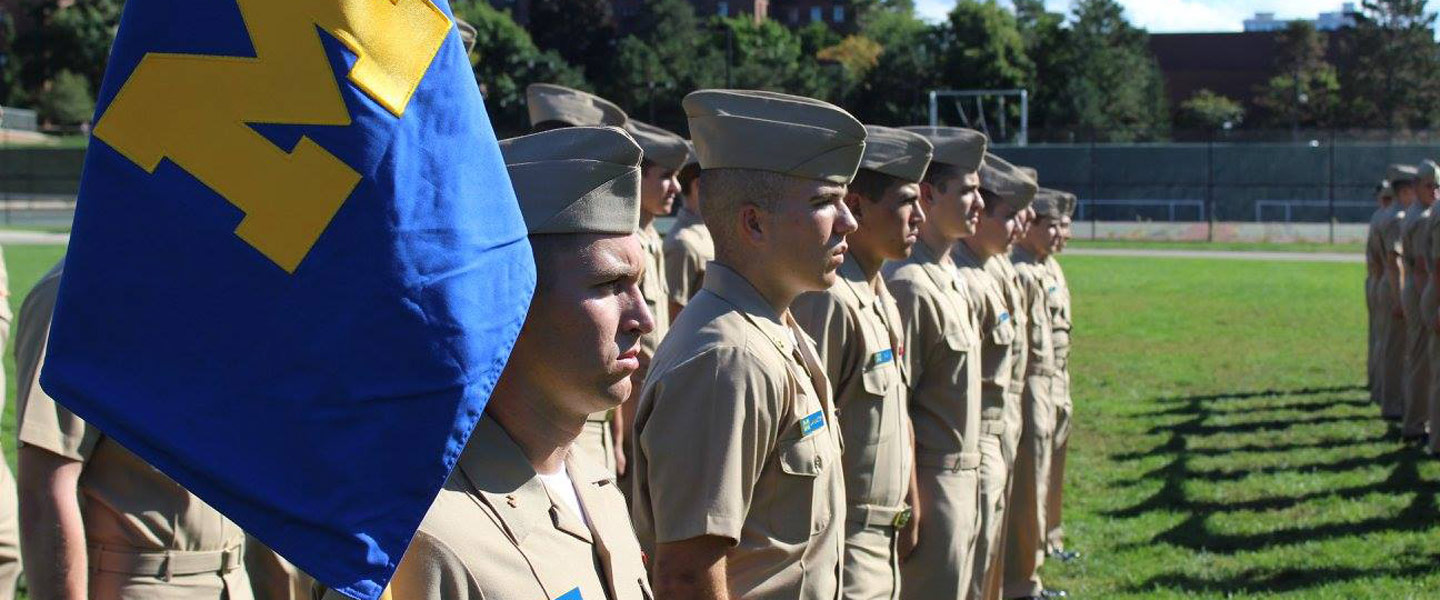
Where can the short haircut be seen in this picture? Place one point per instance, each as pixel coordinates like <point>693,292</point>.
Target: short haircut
<point>549,249</point>
<point>688,174</point>
<point>992,200</point>
<point>727,191</point>
<point>939,175</point>
<point>873,184</point>
<point>1403,185</point>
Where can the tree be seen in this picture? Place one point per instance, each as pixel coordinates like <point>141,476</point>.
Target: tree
<point>10,90</point>
<point>72,37</point>
<point>582,31</point>
<point>768,56</point>
<point>1305,91</point>
<point>893,93</point>
<point>1389,74</point>
<point>1208,111</point>
<point>668,55</point>
<point>67,100</point>
<point>983,48</point>
<point>1047,43</point>
<point>505,61</point>
<point>1114,89</point>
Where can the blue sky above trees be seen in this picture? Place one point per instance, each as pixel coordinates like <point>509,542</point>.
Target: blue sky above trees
<point>1182,15</point>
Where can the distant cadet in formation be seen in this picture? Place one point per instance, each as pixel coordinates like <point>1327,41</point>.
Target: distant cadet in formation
<point>858,331</point>
<point>525,515</point>
<point>96,521</point>
<point>942,354</point>
<point>738,490</point>
<point>1062,321</point>
<point>688,245</point>
<point>1374,276</point>
<point>1391,296</point>
<point>1419,327</point>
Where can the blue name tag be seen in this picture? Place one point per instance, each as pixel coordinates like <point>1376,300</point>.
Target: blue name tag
<point>813,423</point>
<point>882,357</point>
<point>572,595</point>
<point>1005,316</point>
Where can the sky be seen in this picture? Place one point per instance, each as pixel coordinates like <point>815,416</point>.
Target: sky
<point>1163,16</point>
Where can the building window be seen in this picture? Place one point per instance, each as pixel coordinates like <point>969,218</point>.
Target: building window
<point>815,14</point>
<point>722,9</point>
<point>837,14</point>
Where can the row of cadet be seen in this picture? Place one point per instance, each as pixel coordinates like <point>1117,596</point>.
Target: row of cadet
<point>1402,297</point>
<point>842,374</point>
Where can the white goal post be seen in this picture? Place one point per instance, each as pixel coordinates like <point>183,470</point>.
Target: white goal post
<point>986,102</point>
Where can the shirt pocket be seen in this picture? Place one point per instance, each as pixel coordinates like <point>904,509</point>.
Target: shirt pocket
<point>800,507</point>
<point>1004,333</point>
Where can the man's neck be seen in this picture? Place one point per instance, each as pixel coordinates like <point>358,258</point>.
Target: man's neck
<point>543,433</point>
<point>978,248</point>
<point>1035,250</point>
<point>776,293</point>
<point>646,219</point>
<point>937,241</point>
<point>868,260</point>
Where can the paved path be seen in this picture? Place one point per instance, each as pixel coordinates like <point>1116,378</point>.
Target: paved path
<point>20,237</point>
<point>1331,257</point>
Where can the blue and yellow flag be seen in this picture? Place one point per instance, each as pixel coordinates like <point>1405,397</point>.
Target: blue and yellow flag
<point>297,267</point>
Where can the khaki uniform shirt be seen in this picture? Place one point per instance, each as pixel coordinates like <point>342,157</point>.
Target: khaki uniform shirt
<point>688,248</point>
<point>1000,267</point>
<point>998,335</point>
<point>129,507</point>
<point>652,287</point>
<point>1391,228</point>
<point>857,331</point>
<point>736,438</point>
<point>1036,284</point>
<point>1374,249</point>
<point>1415,240</point>
<point>1060,317</point>
<point>943,353</point>
<point>497,531</point>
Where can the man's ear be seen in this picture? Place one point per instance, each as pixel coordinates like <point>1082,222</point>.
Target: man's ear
<point>752,224</point>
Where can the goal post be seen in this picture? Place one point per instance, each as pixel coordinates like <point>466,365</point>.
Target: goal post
<point>983,105</point>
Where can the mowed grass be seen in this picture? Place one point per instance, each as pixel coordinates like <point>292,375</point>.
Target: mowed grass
<point>1347,248</point>
<point>25,264</point>
<point>1225,446</point>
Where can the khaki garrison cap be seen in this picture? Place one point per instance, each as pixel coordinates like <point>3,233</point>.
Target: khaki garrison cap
<point>549,102</point>
<point>897,153</point>
<point>1068,208</point>
<point>1003,179</point>
<point>1401,174</point>
<point>955,146</point>
<point>1384,190</point>
<point>660,146</point>
<point>1429,171</point>
<point>1031,173</point>
<point>1049,204</point>
<point>576,180</point>
<point>768,131</point>
<point>467,34</point>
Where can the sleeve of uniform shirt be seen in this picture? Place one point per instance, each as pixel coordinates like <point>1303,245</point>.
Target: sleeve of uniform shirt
<point>1034,289</point>
<point>710,432</point>
<point>682,270</point>
<point>430,570</point>
<point>836,336</point>
<point>1392,238</point>
<point>1434,249</point>
<point>922,324</point>
<point>41,422</point>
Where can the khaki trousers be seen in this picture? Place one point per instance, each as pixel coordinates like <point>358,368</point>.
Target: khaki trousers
<point>271,576</point>
<point>996,460</point>
<point>1372,339</point>
<point>1417,372</point>
<point>1025,526</point>
<point>943,564</point>
<point>871,563</point>
<point>1392,353</point>
<point>1433,416</point>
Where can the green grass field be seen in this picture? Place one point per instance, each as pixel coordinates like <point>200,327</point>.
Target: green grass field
<point>1223,246</point>
<point>25,265</point>
<point>1224,447</point>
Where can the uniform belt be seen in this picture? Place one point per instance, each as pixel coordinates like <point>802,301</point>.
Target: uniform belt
<point>953,461</point>
<point>992,427</point>
<point>167,563</point>
<point>601,417</point>
<point>881,516</point>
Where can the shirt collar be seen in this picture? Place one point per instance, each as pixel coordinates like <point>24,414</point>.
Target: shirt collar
<point>734,289</point>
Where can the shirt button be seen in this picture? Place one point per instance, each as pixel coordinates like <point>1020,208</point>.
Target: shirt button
<point>819,463</point>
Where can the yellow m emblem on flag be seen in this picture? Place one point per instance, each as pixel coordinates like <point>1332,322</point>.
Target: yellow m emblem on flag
<point>195,110</point>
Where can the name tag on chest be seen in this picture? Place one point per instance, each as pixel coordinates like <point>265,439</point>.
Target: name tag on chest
<point>882,357</point>
<point>813,423</point>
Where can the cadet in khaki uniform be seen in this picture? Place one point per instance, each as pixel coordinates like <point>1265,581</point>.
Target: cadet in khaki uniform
<point>97,521</point>
<point>664,154</point>
<point>1374,275</point>
<point>688,246</point>
<point>554,106</point>
<point>1061,320</point>
<point>858,331</point>
<point>9,506</point>
<point>738,490</point>
<point>1392,328</point>
<point>1430,314</point>
<point>1415,241</point>
<point>943,354</point>
<point>1007,193</point>
<point>1025,526</point>
<point>525,515</point>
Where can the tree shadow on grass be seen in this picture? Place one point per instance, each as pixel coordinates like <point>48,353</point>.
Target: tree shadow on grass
<point>1284,580</point>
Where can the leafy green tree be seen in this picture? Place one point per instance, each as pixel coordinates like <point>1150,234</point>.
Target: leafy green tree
<point>768,56</point>
<point>74,37</point>
<point>1305,91</point>
<point>1114,89</point>
<point>669,54</point>
<point>582,31</point>
<point>893,93</point>
<point>1390,75</point>
<point>1208,111</point>
<point>1047,43</point>
<point>505,61</point>
<point>10,90</point>
<point>983,48</point>
<point>66,101</point>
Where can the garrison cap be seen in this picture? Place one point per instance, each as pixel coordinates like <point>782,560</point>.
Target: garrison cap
<point>955,146</point>
<point>467,34</point>
<point>1429,171</point>
<point>1003,179</point>
<point>576,180</point>
<point>550,102</point>
<point>897,153</point>
<point>660,146</point>
<point>1068,208</point>
<point>1402,174</point>
<point>769,131</point>
<point>1384,190</point>
<point>1032,173</point>
<point>1050,203</point>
